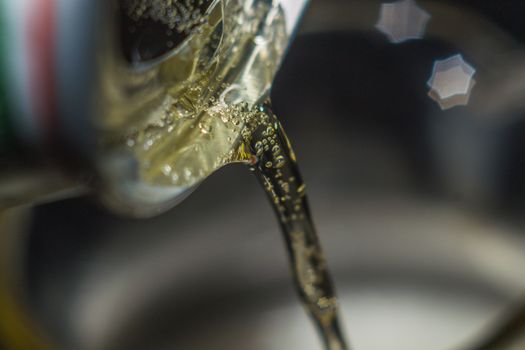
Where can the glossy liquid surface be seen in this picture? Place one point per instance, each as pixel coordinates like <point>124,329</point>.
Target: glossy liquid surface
<point>274,163</point>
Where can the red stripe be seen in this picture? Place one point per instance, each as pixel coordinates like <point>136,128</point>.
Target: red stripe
<point>42,51</point>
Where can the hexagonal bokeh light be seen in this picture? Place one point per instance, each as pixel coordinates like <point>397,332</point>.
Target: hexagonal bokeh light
<point>402,20</point>
<point>451,82</point>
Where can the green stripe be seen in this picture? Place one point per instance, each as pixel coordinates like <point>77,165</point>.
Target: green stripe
<point>6,134</point>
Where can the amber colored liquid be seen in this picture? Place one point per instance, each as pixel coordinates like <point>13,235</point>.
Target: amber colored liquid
<point>274,163</point>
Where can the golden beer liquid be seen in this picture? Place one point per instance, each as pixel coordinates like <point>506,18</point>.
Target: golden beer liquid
<point>223,116</point>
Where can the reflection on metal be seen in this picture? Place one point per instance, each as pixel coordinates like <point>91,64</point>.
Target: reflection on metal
<point>451,82</point>
<point>402,20</point>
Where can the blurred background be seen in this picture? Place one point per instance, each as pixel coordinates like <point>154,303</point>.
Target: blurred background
<point>407,118</point>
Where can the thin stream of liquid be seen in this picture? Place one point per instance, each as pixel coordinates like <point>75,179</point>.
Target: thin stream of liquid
<point>274,163</point>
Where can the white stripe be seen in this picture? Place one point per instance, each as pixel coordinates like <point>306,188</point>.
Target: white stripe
<point>76,62</point>
<point>293,9</point>
<point>22,111</point>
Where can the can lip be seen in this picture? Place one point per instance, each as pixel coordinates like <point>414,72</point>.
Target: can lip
<point>144,201</point>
